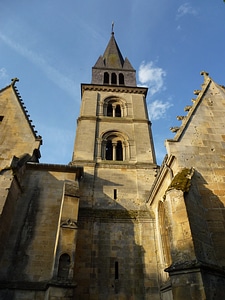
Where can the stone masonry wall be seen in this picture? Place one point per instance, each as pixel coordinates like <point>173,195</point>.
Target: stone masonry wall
<point>115,257</point>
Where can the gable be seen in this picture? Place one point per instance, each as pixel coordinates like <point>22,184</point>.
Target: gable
<point>202,130</point>
<point>17,135</point>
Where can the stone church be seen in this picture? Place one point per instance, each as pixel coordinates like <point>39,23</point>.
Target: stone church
<point>112,224</point>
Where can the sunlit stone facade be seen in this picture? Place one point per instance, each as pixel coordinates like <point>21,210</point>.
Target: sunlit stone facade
<point>112,224</point>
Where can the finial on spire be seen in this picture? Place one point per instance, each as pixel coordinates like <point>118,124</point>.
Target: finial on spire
<point>112,27</point>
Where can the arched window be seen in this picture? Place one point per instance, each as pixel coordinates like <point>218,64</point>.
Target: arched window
<point>114,146</point>
<point>114,149</point>
<point>109,110</point>
<point>106,78</point>
<point>113,78</point>
<point>119,150</point>
<point>121,79</point>
<point>114,107</point>
<point>64,266</point>
<point>118,111</point>
<point>109,150</point>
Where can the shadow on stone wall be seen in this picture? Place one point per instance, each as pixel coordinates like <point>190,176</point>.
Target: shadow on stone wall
<point>29,252</point>
<point>109,264</point>
<point>207,220</point>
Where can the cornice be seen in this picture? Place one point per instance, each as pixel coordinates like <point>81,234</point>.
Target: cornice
<point>113,88</point>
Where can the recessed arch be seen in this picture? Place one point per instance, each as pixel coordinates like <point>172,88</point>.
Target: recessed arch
<point>114,107</point>
<point>64,266</point>
<point>121,79</point>
<point>106,78</point>
<point>113,78</point>
<point>115,146</point>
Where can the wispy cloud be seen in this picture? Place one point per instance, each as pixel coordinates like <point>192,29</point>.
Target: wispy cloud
<point>151,77</point>
<point>186,9</point>
<point>52,73</point>
<point>4,77</point>
<point>157,109</point>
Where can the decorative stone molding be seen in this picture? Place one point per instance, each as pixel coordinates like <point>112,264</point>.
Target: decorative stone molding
<point>69,223</point>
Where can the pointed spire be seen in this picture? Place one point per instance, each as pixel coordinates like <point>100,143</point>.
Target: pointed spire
<point>112,61</point>
<point>112,56</point>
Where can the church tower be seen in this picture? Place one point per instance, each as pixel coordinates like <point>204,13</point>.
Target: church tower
<point>115,244</point>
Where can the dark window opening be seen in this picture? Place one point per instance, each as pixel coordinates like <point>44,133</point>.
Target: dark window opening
<point>118,111</point>
<point>109,150</point>
<point>64,265</point>
<point>113,78</point>
<point>121,79</point>
<point>119,151</point>
<point>116,270</point>
<point>109,110</point>
<point>106,77</point>
<point>1,118</point>
<point>115,194</point>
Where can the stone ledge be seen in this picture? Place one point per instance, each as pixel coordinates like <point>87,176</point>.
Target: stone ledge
<point>55,167</point>
<point>194,266</point>
<point>115,214</point>
<point>40,286</point>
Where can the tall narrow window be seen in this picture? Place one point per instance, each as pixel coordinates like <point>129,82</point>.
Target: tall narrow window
<point>118,111</point>
<point>1,118</point>
<point>106,77</point>
<point>119,151</point>
<point>64,265</point>
<point>109,150</point>
<point>115,194</point>
<point>113,78</point>
<point>116,270</point>
<point>109,110</point>
<point>121,79</point>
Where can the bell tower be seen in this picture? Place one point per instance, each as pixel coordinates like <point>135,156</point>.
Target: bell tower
<point>113,125</point>
<point>114,145</point>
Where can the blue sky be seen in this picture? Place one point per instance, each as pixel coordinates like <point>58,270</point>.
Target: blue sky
<point>51,47</point>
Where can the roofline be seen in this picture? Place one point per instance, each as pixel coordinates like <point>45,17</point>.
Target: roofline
<point>23,107</point>
<point>6,87</point>
<point>56,167</point>
<point>113,69</point>
<point>196,101</point>
<point>37,137</point>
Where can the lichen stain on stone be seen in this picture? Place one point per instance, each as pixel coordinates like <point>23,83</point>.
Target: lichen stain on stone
<point>182,181</point>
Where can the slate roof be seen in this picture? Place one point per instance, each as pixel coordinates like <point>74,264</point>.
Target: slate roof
<point>113,58</point>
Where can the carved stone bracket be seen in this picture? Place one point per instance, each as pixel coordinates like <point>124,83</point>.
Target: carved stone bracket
<point>68,223</point>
